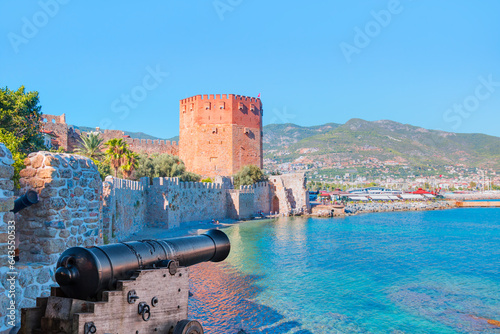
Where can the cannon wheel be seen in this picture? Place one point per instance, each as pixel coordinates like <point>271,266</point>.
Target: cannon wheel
<point>188,327</point>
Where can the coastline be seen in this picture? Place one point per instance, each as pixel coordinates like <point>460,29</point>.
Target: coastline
<point>325,211</point>
<point>194,228</point>
<point>353,209</point>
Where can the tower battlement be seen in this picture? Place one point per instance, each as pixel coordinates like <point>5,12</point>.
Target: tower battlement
<point>221,97</point>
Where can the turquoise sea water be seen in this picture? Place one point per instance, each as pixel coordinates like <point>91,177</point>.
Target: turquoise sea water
<point>399,272</point>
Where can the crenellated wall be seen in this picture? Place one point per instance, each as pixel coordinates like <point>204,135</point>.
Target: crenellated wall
<point>124,209</point>
<point>153,146</point>
<point>185,202</point>
<point>167,203</point>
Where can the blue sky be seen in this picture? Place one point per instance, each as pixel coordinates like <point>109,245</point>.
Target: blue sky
<point>126,65</point>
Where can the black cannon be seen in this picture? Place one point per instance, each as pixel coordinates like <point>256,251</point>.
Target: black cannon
<point>83,272</point>
<point>29,198</point>
<point>128,287</point>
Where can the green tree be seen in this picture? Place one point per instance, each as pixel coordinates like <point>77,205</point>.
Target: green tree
<point>20,119</point>
<point>20,116</point>
<point>13,144</point>
<point>248,175</point>
<point>103,168</point>
<point>189,177</point>
<point>115,154</point>
<point>145,167</point>
<point>131,163</point>
<point>472,185</point>
<point>91,145</point>
<point>164,165</point>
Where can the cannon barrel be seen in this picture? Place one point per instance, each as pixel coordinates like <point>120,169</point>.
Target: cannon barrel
<point>29,198</point>
<point>84,272</point>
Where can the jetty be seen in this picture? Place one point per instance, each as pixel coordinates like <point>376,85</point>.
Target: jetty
<point>479,204</point>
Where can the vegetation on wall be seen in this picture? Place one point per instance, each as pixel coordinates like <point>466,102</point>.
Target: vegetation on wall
<point>91,146</point>
<point>164,165</point>
<point>248,175</point>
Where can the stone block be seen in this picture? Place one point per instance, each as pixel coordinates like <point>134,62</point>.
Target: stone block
<point>73,162</point>
<point>82,229</point>
<point>28,172</point>
<point>37,182</point>
<point>66,173</point>
<point>47,173</point>
<point>58,183</point>
<point>48,192</point>
<point>77,222</point>
<point>27,277</point>
<point>57,224</point>
<point>52,246</point>
<point>6,184</point>
<point>84,182</point>
<point>64,234</point>
<point>71,242</point>
<point>78,215</point>
<point>84,164</point>
<point>89,242</point>
<point>78,191</point>
<point>91,220</point>
<point>34,224</point>
<point>89,196</point>
<point>44,275</point>
<point>46,233</point>
<point>6,204</point>
<point>95,184</point>
<point>31,291</point>
<point>6,172</point>
<point>56,203</point>
<point>37,160</point>
<point>64,193</point>
<point>26,302</point>
<point>65,214</point>
<point>52,161</point>
<point>8,216</point>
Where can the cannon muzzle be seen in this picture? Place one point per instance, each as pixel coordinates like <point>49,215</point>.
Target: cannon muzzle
<point>29,198</point>
<point>84,272</point>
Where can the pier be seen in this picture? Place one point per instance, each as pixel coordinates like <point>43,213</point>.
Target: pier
<point>482,204</point>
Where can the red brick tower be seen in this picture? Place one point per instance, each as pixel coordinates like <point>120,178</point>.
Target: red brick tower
<point>220,134</point>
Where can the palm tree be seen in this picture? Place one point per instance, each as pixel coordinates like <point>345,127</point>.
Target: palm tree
<point>131,163</point>
<point>91,145</point>
<point>115,154</point>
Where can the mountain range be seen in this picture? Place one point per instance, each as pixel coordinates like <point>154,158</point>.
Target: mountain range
<point>384,140</point>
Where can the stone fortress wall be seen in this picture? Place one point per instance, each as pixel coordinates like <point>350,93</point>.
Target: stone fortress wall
<point>67,214</point>
<point>129,206</point>
<point>68,137</point>
<point>123,210</point>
